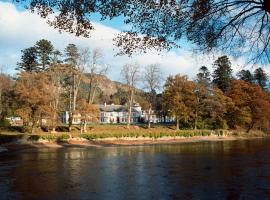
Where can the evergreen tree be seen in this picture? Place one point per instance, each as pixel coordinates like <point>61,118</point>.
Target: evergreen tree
<point>203,77</point>
<point>55,57</point>
<point>222,75</point>
<point>28,60</point>
<point>245,75</point>
<point>72,54</point>
<point>203,82</point>
<point>260,77</point>
<point>45,51</point>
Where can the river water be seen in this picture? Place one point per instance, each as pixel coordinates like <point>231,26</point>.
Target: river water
<point>207,170</point>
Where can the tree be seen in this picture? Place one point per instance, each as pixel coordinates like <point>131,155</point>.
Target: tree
<point>152,82</point>
<point>120,97</point>
<point>55,57</point>
<point>29,61</point>
<point>214,109</point>
<point>45,51</point>
<point>222,74</point>
<point>72,56</point>
<point>179,98</point>
<point>58,75</point>
<point>252,102</point>
<point>130,75</point>
<point>203,77</point>
<point>202,91</point>
<point>35,93</point>
<point>5,88</point>
<point>96,71</point>
<point>88,112</point>
<point>245,75</point>
<point>211,24</point>
<point>260,78</point>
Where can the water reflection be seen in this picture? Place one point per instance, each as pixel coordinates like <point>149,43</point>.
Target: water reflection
<point>208,170</point>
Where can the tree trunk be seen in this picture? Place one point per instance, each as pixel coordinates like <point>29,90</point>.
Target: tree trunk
<point>74,100</point>
<point>85,126</point>
<point>250,127</point>
<point>130,109</point>
<point>70,119</point>
<point>195,122</point>
<point>53,130</point>
<point>149,117</point>
<point>76,85</point>
<point>33,128</point>
<point>177,123</point>
<point>54,123</point>
<point>93,95</point>
<point>164,118</point>
<point>81,127</point>
<point>90,91</point>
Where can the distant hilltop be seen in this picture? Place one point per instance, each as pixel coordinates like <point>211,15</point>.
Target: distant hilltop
<point>109,87</point>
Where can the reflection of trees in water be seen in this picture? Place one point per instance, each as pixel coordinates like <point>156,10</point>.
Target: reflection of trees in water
<point>194,170</point>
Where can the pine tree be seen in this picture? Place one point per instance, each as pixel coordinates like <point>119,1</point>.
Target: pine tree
<point>203,82</point>
<point>260,77</point>
<point>28,60</point>
<point>203,77</point>
<point>45,51</point>
<point>222,75</point>
<point>72,55</point>
<point>245,75</point>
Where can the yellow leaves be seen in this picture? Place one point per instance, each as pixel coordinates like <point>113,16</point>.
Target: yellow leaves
<point>89,112</point>
<point>34,92</point>
<point>179,96</point>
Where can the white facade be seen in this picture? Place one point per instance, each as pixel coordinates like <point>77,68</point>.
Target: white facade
<point>115,114</point>
<point>110,114</point>
<point>76,118</point>
<point>153,118</point>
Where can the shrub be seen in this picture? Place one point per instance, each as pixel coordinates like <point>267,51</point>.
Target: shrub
<point>4,123</point>
<point>49,137</point>
<point>34,137</point>
<point>63,137</point>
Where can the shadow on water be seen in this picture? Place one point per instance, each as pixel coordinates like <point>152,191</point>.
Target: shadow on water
<point>207,170</point>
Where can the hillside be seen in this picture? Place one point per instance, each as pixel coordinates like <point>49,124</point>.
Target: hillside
<point>109,87</point>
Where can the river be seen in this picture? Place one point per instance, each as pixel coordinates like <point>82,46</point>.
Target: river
<point>206,170</point>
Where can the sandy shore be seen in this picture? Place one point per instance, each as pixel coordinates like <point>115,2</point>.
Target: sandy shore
<point>165,140</point>
<point>77,142</point>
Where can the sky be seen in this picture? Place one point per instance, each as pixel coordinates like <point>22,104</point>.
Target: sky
<point>20,29</point>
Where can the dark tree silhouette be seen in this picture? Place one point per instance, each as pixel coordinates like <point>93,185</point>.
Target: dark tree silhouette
<point>261,78</point>
<point>45,51</point>
<point>222,74</point>
<point>240,27</point>
<point>72,55</point>
<point>204,76</point>
<point>29,61</point>
<point>245,75</point>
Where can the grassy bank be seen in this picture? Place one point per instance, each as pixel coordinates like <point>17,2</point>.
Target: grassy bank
<point>101,132</point>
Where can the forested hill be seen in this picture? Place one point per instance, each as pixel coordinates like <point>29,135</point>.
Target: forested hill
<point>108,86</point>
<point>108,90</point>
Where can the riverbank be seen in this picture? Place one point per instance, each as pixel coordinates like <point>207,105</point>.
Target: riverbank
<point>103,136</point>
<point>109,142</point>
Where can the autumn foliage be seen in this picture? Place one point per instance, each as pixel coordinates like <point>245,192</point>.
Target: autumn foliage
<point>252,105</point>
<point>64,84</point>
<point>35,94</point>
